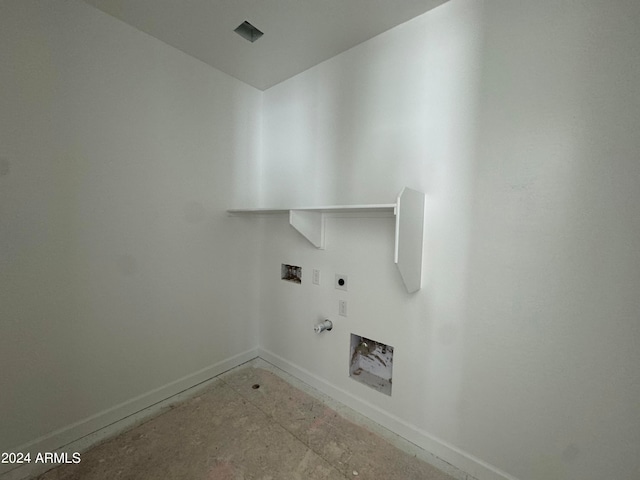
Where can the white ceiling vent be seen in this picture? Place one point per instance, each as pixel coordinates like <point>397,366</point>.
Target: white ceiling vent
<point>248,31</point>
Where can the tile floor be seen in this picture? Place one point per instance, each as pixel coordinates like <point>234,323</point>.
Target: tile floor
<point>248,424</point>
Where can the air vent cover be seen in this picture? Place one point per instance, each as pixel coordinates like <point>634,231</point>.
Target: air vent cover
<point>248,31</point>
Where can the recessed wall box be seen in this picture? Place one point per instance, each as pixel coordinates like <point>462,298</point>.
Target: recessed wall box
<point>291,273</point>
<point>371,363</point>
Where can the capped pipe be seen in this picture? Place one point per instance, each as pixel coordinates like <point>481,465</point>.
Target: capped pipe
<point>321,327</point>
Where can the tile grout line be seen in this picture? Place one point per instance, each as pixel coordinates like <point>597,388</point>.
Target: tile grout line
<point>403,444</point>
<point>271,417</point>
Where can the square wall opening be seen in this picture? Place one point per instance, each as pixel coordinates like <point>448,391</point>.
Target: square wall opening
<point>371,363</point>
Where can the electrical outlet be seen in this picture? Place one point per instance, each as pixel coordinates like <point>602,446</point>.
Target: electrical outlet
<point>316,276</point>
<point>342,308</point>
<point>341,281</point>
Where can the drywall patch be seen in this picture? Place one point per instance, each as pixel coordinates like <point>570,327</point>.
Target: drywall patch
<point>371,363</point>
<point>5,166</point>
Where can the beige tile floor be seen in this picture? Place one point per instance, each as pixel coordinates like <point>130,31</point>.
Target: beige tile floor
<point>235,431</point>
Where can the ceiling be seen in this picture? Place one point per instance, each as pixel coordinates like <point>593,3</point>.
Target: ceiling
<point>298,34</point>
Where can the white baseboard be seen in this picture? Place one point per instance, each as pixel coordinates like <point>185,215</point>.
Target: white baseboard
<point>463,461</point>
<point>82,435</point>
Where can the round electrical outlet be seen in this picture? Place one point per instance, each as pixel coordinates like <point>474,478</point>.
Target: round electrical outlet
<point>341,281</point>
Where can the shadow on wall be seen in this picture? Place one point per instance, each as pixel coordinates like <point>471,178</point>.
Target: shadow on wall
<point>120,270</point>
<point>398,110</point>
<point>551,356</point>
<point>518,122</point>
<point>404,112</point>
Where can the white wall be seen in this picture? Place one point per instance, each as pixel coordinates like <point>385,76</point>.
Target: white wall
<point>120,273</point>
<point>519,357</point>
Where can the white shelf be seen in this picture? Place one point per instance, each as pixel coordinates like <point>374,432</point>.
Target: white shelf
<point>373,208</point>
<point>409,212</point>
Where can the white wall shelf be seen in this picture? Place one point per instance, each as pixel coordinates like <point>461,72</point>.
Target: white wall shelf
<point>374,208</point>
<point>409,212</point>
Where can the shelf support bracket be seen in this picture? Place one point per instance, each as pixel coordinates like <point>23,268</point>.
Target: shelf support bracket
<point>310,225</point>
<point>409,237</point>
